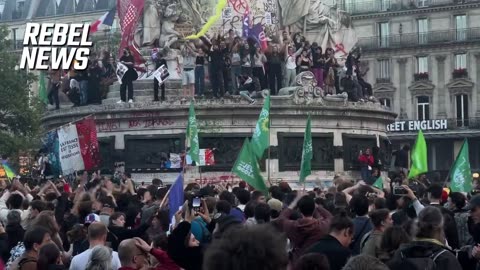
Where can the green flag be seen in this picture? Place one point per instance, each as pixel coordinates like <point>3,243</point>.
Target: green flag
<point>192,135</point>
<point>419,157</point>
<point>260,140</point>
<point>460,174</point>
<point>379,183</point>
<point>307,153</point>
<point>42,88</point>
<point>246,167</point>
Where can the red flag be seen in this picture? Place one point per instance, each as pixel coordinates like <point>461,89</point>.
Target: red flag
<point>87,137</point>
<point>129,13</point>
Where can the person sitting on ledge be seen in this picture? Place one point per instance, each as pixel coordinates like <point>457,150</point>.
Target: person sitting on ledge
<point>249,88</point>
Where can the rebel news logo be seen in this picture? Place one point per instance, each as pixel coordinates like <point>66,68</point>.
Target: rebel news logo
<point>56,46</point>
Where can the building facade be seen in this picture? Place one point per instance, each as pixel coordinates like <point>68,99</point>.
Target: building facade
<point>424,63</point>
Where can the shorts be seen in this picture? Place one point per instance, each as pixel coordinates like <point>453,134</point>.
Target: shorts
<point>188,77</point>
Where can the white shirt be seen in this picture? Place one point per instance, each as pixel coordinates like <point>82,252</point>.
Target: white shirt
<point>24,214</point>
<point>291,62</point>
<point>291,59</point>
<point>80,261</point>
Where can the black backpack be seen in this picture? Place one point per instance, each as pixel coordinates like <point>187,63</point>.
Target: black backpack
<point>425,262</point>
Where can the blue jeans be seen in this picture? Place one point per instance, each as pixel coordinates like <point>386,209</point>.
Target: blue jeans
<point>246,95</point>
<point>236,71</point>
<point>366,173</point>
<point>83,92</point>
<point>199,80</point>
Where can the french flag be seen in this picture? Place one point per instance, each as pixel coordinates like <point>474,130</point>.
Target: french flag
<point>106,19</point>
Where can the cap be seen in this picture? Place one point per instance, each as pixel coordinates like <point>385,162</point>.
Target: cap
<point>474,202</point>
<point>91,218</point>
<point>275,205</point>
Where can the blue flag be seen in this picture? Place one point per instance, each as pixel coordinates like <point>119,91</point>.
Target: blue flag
<point>175,199</point>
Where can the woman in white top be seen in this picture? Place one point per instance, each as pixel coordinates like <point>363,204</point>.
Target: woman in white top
<point>236,68</point>
<point>246,60</point>
<point>291,65</point>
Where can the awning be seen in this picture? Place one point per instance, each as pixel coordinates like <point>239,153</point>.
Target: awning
<point>446,134</point>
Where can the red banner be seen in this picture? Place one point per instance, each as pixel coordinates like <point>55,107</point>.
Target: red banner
<point>87,137</point>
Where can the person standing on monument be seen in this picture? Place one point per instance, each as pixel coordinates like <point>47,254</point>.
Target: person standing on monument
<point>188,72</point>
<point>157,58</point>
<point>128,78</point>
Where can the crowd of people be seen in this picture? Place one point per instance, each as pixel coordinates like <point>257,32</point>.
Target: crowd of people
<point>233,65</point>
<point>99,223</point>
<point>236,65</point>
<point>84,87</point>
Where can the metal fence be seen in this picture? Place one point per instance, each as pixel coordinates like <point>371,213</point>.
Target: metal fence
<point>420,39</point>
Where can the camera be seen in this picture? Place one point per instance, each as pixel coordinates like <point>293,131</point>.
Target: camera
<point>399,191</point>
<point>196,202</point>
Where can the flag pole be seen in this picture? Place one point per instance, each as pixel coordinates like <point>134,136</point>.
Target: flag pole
<point>268,157</point>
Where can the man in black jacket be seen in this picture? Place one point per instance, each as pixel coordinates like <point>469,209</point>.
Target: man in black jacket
<point>217,64</point>
<point>450,227</point>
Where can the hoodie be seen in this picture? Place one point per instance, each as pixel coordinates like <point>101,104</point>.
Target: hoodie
<point>443,257</point>
<point>304,232</point>
<point>188,258</point>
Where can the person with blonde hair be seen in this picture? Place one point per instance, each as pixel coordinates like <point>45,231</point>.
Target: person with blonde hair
<point>100,259</point>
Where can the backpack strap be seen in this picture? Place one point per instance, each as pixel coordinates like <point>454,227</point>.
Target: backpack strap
<point>24,261</point>
<point>363,228</point>
<point>365,239</point>
<point>436,255</point>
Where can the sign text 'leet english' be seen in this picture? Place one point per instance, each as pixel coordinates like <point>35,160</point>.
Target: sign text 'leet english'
<point>416,125</point>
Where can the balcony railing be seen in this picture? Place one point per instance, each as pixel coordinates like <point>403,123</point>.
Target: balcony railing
<point>357,7</point>
<point>422,76</point>
<point>383,80</point>
<point>420,39</point>
<point>460,73</point>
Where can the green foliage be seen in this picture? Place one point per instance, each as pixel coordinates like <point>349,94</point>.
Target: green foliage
<point>19,116</point>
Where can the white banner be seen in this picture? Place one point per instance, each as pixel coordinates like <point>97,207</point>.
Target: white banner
<point>121,70</point>
<point>161,74</point>
<point>69,150</point>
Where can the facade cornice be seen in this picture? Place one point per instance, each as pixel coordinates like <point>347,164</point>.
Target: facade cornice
<point>388,14</point>
<point>439,49</point>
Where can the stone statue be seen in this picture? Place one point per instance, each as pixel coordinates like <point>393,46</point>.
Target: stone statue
<point>159,21</point>
<point>168,34</point>
<point>307,91</point>
<point>151,23</point>
<point>329,26</point>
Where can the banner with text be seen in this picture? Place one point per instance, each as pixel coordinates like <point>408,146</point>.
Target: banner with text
<point>70,154</point>
<point>416,125</point>
<point>78,146</point>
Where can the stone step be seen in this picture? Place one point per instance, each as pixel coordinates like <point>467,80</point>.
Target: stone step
<point>169,98</point>
<point>146,93</point>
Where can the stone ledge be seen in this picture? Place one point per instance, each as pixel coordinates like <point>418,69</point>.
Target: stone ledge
<point>221,108</point>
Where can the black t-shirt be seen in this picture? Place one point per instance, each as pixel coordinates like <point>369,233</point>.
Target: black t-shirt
<point>401,158</point>
<point>129,58</point>
<point>336,253</point>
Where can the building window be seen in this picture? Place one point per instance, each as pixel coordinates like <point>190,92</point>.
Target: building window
<point>383,70</point>
<point>422,64</point>
<point>14,38</point>
<point>2,7</point>
<point>462,110</point>
<point>461,61</point>
<point>384,34</point>
<point>423,108</point>
<point>461,27</point>
<point>422,3</point>
<point>384,5</point>
<point>385,102</point>
<point>349,6</point>
<point>422,25</point>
